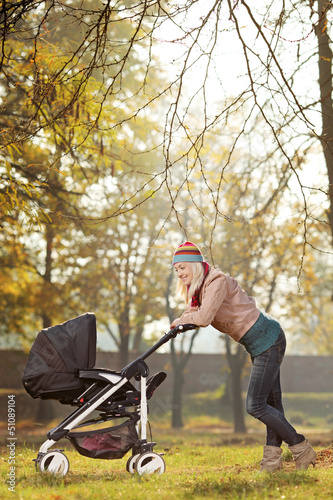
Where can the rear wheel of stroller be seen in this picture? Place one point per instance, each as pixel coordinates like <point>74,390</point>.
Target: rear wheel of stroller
<point>149,462</point>
<point>54,462</point>
<point>130,465</point>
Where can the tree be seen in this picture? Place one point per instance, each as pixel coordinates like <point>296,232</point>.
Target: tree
<point>325,60</point>
<point>120,276</point>
<point>272,48</point>
<point>52,91</point>
<point>181,351</point>
<point>180,355</point>
<point>236,361</point>
<point>54,163</point>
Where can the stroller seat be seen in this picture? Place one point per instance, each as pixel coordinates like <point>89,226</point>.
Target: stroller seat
<point>105,375</point>
<point>101,374</point>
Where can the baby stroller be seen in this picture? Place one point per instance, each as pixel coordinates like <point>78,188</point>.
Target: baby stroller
<point>61,367</point>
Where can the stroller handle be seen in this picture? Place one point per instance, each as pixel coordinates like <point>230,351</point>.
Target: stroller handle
<point>137,366</point>
<point>170,335</point>
<point>180,329</point>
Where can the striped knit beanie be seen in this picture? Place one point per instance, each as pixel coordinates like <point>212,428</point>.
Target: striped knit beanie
<point>187,252</point>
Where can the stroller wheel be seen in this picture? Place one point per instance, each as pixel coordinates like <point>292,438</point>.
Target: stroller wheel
<point>54,462</point>
<point>130,465</point>
<point>150,462</point>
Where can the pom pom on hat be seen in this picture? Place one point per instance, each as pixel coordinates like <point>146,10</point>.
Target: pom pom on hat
<point>187,252</point>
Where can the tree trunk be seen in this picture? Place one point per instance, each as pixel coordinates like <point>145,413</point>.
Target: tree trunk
<point>124,331</point>
<point>325,84</point>
<point>236,364</point>
<point>137,338</point>
<point>177,393</point>
<point>179,362</point>
<point>45,411</point>
<point>46,317</point>
<point>124,322</point>
<point>237,402</point>
<point>227,396</point>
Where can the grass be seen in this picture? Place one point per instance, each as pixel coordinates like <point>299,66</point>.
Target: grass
<point>199,464</point>
<point>205,459</point>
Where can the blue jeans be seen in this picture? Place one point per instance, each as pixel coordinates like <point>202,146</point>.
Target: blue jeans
<point>264,397</point>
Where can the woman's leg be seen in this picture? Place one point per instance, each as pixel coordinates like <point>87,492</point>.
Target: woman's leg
<point>275,400</point>
<point>264,385</point>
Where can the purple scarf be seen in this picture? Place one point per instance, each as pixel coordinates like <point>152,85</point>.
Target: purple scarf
<point>195,299</point>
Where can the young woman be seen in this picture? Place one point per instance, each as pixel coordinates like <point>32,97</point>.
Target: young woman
<point>212,298</point>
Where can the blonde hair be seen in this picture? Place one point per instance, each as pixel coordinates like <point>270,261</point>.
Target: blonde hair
<point>198,276</point>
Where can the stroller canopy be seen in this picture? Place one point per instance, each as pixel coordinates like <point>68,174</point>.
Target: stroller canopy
<point>56,357</point>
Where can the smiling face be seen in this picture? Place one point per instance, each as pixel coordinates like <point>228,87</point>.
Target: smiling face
<point>184,272</point>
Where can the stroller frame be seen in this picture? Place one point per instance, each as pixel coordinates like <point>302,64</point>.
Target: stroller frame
<point>143,459</point>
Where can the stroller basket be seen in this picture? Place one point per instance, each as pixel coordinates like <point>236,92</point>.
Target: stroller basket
<point>109,443</point>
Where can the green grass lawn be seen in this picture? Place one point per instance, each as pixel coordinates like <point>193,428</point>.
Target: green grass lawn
<point>204,459</point>
<point>201,463</point>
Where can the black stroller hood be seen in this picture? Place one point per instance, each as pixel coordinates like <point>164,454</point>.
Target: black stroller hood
<point>56,357</point>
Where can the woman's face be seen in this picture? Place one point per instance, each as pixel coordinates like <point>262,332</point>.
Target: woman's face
<point>184,272</point>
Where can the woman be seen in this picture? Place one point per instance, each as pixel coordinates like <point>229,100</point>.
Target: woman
<point>212,298</point>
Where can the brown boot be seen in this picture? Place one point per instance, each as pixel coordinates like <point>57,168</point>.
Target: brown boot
<point>303,454</point>
<point>271,460</point>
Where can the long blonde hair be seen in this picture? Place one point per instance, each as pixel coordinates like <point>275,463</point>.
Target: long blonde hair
<point>198,276</point>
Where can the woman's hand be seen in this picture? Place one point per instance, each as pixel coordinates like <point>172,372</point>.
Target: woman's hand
<point>175,322</point>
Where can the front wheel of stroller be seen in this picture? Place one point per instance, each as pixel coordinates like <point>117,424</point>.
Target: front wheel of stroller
<point>150,462</point>
<point>130,465</point>
<point>54,462</point>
